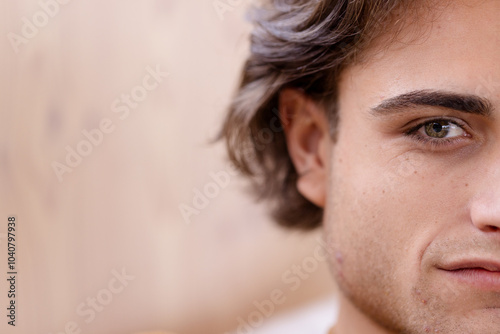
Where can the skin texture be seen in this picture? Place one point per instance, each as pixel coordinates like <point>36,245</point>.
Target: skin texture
<point>398,209</point>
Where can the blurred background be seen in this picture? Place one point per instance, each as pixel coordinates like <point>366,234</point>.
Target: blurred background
<point>128,219</point>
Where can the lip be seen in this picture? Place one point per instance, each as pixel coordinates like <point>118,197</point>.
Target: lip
<point>492,266</point>
<point>482,274</point>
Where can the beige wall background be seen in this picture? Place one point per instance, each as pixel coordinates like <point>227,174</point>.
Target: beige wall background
<point>118,210</point>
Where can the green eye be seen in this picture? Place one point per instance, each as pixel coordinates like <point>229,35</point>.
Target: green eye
<point>442,129</point>
<point>438,129</point>
<point>440,133</point>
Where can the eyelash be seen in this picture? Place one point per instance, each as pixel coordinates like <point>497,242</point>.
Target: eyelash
<point>434,143</point>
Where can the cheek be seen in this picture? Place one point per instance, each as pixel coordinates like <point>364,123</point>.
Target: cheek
<point>371,198</point>
<point>384,210</point>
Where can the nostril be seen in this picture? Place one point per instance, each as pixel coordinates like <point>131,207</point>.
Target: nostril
<point>492,228</point>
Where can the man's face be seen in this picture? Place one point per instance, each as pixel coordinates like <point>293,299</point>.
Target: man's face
<point>413,205</point>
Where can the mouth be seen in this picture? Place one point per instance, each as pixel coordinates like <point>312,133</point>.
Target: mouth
<point>482,274</point>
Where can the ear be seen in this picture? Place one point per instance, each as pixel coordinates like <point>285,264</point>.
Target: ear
<point>308,140</point>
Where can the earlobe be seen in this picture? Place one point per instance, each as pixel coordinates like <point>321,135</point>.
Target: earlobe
<point>307,136</point>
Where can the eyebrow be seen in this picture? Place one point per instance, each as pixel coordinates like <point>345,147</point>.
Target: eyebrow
<point>467,103</point>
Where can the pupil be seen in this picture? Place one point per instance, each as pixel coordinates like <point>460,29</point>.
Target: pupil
<point>437,127</point>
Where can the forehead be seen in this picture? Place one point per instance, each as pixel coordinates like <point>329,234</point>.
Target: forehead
<point>454,47</point>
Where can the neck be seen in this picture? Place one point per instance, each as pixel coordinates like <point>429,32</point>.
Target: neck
<point>353,321</point>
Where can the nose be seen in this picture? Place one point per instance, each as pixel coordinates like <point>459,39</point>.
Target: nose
<point>485,207</point>
<point>485,212</point>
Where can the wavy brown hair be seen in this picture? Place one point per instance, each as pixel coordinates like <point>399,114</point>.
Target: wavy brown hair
<point>301,44</point>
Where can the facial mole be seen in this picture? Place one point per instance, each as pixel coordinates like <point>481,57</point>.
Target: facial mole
<point>466,184</point>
